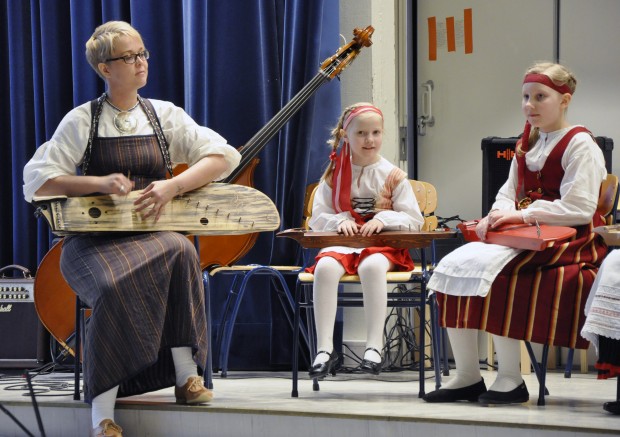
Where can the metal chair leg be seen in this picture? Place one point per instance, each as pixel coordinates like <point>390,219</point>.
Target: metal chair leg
<point>569,363</point>
<point>77,348</point>
<point>209,364</point>
<point>295,358</point>
<point>540,370</point>
<point>436,341</point>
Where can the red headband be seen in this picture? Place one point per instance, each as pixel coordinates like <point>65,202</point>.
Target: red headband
<point>545,80</point>
<point>359,110</point>
<point>562,89</point>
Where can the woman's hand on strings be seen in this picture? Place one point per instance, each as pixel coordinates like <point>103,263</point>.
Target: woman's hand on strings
<point>116,183</point>
<point>154,197</point>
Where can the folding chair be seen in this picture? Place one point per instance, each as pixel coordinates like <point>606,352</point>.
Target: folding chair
<point>242,274</point>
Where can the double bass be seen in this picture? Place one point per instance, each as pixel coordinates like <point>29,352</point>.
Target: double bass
<point>54,299</point>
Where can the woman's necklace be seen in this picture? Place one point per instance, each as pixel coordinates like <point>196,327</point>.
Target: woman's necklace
<point>124,121</point>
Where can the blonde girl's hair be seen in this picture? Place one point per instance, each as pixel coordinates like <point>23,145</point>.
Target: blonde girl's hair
<point>559,75</point>
<point>335,139</point>
<point>100,46</point>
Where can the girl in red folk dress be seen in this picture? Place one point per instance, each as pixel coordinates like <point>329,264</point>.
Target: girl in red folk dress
<point>360,193</point>
<point>514,294</point>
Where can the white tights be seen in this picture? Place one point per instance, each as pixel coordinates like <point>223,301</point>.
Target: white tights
<point>184,367</point>
<point>372,271</point>
<point>464,343</point>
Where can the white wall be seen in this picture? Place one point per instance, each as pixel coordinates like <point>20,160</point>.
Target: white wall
<point>590,48</point>
<point>589,36</point>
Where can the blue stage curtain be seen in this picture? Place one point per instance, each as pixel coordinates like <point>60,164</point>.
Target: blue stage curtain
<point>231,64</point>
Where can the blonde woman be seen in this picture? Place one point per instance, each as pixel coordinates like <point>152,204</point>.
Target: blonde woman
<point>148,325</point>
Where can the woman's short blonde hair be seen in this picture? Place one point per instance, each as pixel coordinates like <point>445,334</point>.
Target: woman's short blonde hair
<point>100,46</point>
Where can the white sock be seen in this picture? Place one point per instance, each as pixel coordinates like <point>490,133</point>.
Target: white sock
<point>103,406</point>
<point>372,271</point>
<point>184,365</point>
<point>464,343</point>
<point>372,355</point>
<point>321,358</point>
<point>508,369</point>
<point>327,274</point>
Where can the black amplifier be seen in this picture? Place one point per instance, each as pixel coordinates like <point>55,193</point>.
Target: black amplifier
<point>22,336</point>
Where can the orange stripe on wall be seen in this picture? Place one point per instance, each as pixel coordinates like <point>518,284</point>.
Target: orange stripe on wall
<point>469,38</point>
<point>450,34</point>
<point>432,39</point>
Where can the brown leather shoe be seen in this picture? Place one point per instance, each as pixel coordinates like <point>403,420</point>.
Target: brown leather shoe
<point>193,392</point>
<point>107,428</point>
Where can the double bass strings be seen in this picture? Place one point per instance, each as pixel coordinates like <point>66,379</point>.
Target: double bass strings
<point>258,141</point>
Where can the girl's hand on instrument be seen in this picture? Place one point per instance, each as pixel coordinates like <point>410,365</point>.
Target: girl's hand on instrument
<point>154,197</point>
<point>348,227</point>
<point>482,227</point>
<point>498,218</point>
<point>371,227</point>
<point>495,219</point>
<point>116,183</point>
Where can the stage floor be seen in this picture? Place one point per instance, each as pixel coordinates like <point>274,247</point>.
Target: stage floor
<point>260,404</point>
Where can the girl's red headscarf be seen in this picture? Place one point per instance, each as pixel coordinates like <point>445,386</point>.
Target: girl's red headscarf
<point>545,80</point>
<point>341,178</point>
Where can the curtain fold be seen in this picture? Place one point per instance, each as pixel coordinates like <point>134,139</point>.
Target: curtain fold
<point>232,65</point>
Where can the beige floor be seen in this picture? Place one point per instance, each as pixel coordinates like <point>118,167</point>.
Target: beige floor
<point>259,404</point>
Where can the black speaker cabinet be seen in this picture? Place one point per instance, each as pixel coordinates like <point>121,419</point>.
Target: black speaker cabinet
<point>23,339</point>
<point>497,154</point>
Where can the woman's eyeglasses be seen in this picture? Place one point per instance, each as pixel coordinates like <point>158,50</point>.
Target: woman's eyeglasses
<point>131,59</point>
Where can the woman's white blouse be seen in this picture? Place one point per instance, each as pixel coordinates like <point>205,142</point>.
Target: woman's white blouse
<point>63,153</point>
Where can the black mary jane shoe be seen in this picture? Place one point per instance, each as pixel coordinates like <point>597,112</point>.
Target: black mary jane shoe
<point>469,393</point>
<point>612,407</point>
<point>518,395</point>
<point>322,369</point>
<point>371,367</point>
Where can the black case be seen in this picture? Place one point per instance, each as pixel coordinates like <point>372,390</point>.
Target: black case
<point>497,155</point>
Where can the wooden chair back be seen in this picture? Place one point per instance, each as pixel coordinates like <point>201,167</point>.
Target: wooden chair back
<point>608,198</point>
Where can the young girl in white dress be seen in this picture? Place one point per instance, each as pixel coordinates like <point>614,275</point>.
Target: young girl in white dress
<point>359,193</point>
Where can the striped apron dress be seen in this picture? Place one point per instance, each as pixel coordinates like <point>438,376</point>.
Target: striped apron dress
<point>145,289</point>
<point>538,296</point>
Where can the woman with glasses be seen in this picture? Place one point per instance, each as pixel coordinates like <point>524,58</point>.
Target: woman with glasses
<point>148,325</point>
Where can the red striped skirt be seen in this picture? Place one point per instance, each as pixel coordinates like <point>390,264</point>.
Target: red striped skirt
<point>538,297</point>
